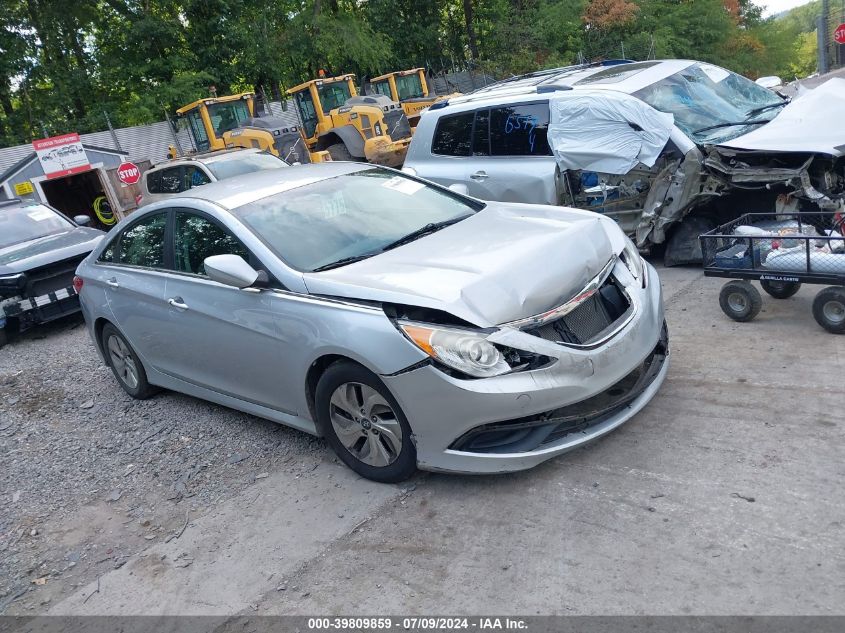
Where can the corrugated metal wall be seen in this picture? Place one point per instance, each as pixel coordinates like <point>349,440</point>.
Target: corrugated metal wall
<point>150,142</point>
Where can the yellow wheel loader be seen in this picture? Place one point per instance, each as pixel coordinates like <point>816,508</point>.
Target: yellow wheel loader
<point>409,88</point>
<point>351,127</point>
<point>227,122</point>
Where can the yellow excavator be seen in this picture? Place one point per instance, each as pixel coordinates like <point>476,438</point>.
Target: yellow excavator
<point>348,126</point>
<point>409,88</point>
<point>218,123</point>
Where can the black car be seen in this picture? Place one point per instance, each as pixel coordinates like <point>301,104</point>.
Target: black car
<point>39,251</point>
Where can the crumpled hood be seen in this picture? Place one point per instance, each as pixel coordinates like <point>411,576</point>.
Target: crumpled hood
<point>811,123</point>
<point>507,262</point>
<point>45,250</point>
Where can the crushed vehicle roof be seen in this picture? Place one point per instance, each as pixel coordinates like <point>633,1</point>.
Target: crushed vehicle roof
<point>627,77</point>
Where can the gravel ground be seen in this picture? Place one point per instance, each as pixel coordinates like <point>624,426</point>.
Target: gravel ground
<point>90,477</point>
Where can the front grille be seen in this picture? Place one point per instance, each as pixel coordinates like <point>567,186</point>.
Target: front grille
<point>589,320</point>
<point>397,125</point>
<point>530,433</point>
<point>52,277</point>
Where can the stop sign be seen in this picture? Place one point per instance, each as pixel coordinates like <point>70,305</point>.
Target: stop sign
<point>128,173</point>
<point>839,34</point>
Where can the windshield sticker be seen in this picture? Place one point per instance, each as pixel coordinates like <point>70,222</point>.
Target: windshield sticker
<point>403,185</point>
<point>715,73</point>
<point>39,215</point>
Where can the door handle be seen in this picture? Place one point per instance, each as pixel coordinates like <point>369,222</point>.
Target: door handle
<point>177,302</point>
<point>113,282</point>
<point>480,175</point>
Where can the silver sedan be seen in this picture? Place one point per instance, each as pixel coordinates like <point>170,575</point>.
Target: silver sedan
<point>409,325</point>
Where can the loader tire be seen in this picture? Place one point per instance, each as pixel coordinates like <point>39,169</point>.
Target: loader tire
<point>338,151</point>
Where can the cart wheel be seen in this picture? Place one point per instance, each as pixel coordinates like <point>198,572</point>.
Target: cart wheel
<point>829,309</point>
<point>740,300</point>
<point>780,289</point>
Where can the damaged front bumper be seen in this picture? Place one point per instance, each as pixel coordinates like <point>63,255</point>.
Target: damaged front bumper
<point>516,421</point>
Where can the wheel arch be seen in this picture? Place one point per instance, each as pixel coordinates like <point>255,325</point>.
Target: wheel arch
<point>346,134</point>
<point>316,370</point>
<point>99,324</point>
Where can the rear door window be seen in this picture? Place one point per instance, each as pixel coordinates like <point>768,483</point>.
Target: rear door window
<point>481,134</point>
<point>172,180</point>
<point>453,136</point>
<point>520,130</point>
<point>142,244</point>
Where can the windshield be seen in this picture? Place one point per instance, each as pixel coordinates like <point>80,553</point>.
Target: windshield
<point>229,167</point>
<point>22,224</point>
<point>382,87</point>
<point>702,95</point>
<point>409,87</point>
<point>227,115</point>
<point>351,215</point>
<point>333,95</point>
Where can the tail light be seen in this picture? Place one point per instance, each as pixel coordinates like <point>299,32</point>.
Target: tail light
<point>138,199</point>
<point>77,283</point>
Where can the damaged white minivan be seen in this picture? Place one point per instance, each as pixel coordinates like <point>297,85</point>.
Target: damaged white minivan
<point>647,143</point>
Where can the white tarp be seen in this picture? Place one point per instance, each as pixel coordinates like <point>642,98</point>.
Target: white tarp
<point>811,123</point>
<point>607,132</point>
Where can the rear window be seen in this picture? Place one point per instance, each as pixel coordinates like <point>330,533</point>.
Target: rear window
<point>520,130</point>
<point>453,136</point>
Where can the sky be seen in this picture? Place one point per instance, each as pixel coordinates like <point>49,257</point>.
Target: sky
<point>776,6</point>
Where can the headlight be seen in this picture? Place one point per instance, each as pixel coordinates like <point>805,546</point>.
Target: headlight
<point>12,282</point>
<point>467,351</point>
<point>633,260</point>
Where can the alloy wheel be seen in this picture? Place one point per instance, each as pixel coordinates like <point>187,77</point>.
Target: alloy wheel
<point>122,362</point>
<point>365,424</point>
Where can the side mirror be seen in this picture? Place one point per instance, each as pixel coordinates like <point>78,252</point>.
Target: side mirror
<point>459,187</point>
<point>230,270</point>
<point>82,220</point>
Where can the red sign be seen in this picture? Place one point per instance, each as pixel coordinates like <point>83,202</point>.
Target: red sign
<point>128,173</point>
<point>839,34</point>
<point>61,155</point>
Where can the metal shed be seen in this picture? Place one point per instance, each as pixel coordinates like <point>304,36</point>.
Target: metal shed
<point>76,194</point>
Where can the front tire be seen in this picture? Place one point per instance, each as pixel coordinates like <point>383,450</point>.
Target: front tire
<point>339,151</point>
<point>829,309</point>
<point>740,300</point>
<point>125,364</point>
<point>780,289</point>
<point>364,424</point>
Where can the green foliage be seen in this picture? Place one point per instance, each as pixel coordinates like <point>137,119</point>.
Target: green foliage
<point>65,65</point>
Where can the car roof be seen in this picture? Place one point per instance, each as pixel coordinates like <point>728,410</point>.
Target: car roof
<point>235,192</point>
<point>621,76</point>
<point>208,158</point>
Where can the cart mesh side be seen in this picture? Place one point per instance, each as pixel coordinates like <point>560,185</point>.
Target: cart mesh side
<point>800,247</point>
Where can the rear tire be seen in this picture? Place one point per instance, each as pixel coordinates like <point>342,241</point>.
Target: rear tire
<point>740,301</point>
<point>3,337</point>
<point>364,424</point>
<point>338,151</point>
<point>780,289</point>
<point>829,309</point>
<point>125,364</point>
